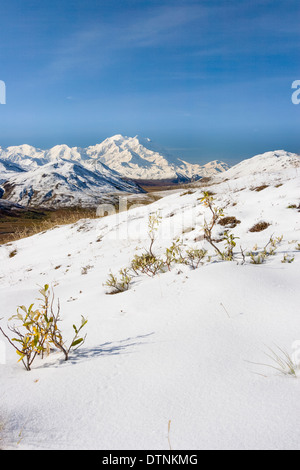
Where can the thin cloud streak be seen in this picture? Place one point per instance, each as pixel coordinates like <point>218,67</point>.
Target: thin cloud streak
<point>103,41</point>
<point>101,44</point>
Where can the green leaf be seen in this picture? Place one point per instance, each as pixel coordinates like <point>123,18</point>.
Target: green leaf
<point>78,341</point>
<point>22,307</point>
<point>30,308</point>
<point>21,355</point>
<point>18,316</point>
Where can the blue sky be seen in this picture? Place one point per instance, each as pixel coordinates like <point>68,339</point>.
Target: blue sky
<point>209,79</point>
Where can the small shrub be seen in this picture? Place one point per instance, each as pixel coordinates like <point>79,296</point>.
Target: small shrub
<point>298,247</point>
<point>119,285</point>
<point>257,258</point>
<point>57,339</point>
<point>218,217</point>
<point>32,337</point>
<point>230,244</point>
<point>38,330</point>
<point>217,214</point>
<point>153,224</point>
<point>272,245</point>
<point>174,254</point>
<point>287,258</point>
<point>206,193</point>
<point>194,257</point>
<point>147,263</point>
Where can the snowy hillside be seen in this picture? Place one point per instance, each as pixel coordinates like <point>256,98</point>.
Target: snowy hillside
<point>269,162</point>
<point>185,346</point>
<point>7,170</point>
<point>64,183</point>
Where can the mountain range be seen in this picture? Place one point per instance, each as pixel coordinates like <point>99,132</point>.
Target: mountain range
<point>63,176</point>
<point>141,159</point>
<point>70,176</point>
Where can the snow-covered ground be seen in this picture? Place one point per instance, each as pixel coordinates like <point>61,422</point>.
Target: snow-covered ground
<point>184,346</point>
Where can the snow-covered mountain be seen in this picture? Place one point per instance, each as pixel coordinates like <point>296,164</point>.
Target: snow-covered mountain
<point>72,175</point>
<point>132,157</point>
<point>8,169</point>
<point>65,183</point>
<point>140,158</point>
<point>29,158</point>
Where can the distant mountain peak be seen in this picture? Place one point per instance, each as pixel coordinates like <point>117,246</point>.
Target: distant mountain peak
<point>69,175</point>
<point>140,158</point>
